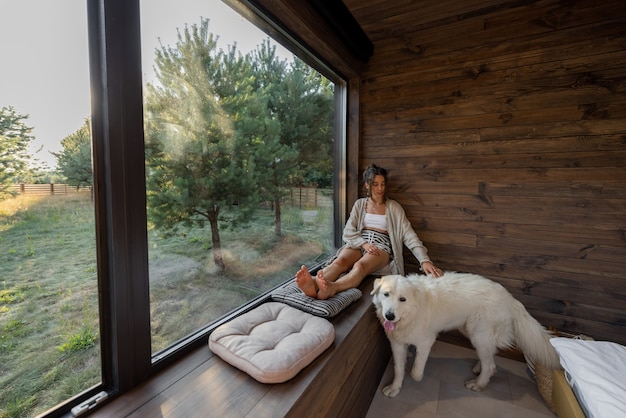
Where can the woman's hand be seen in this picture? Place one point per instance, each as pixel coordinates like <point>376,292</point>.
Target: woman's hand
<point>371,249</point>
<point>429,268</point>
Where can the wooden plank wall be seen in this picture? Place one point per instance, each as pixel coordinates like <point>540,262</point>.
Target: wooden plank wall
<point>503,125</point>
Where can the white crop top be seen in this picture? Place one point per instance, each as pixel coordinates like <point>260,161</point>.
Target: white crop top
<point>375,221</point>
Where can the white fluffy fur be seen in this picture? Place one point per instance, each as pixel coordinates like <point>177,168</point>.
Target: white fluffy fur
<point>415,309</point>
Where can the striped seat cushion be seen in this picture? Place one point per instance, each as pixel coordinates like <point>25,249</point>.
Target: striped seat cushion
<point>291,295</point>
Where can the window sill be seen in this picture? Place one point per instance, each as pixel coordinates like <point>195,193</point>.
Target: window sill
<point>345,377</point>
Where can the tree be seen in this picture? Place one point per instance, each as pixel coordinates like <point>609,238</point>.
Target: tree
<point>225,131</point>
<point>15,137</point>
<point>74,161</point>
<point>200,165</point>
<point>300,101</point>
<point>255,132</point>
<point>307,112</point>
<point>277,165</point>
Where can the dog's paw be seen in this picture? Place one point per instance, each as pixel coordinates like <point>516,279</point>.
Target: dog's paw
<point>472,384</point>
<point>391,391</point>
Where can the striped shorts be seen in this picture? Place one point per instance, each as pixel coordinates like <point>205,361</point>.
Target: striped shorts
<point>379,239</point>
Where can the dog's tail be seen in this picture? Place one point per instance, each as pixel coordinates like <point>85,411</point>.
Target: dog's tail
<point>533,339</point>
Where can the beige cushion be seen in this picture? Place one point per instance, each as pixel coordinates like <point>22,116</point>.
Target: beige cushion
<point>272,342</point>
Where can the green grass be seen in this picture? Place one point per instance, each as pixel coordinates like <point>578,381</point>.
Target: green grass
<point>48,291</point>
<point>49,330</point>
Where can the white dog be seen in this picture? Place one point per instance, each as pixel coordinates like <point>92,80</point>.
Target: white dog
<point>415,309</point>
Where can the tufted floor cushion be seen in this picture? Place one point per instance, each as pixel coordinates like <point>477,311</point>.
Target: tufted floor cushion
<point>272,342</point>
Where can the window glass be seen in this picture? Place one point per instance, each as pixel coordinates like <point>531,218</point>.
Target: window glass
<point>49,328</point>
<point>239,164</point>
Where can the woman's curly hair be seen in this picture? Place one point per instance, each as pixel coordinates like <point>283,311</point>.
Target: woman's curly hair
<point>370,172</point>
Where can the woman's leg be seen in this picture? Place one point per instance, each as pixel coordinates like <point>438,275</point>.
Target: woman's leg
<point>368,264</point>
<point>344,261</point>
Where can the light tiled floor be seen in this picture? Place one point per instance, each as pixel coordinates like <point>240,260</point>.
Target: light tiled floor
<point>511,393</point>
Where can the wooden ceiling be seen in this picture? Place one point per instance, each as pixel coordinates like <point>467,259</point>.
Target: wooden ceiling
<point>384,19</point>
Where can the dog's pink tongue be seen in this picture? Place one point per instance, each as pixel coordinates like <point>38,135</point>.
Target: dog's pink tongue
<point>389,326</point>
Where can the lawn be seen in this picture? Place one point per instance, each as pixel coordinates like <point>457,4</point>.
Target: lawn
<point>49,345</point>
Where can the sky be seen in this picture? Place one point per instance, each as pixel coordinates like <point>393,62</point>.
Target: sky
<point>44,64</point>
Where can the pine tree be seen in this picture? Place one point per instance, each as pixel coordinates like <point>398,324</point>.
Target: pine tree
<point>225,131</point>
<point>307,120</point>
<point>300,102</point>
<point>15,137</point>
<point>279,158</point>
<point>200,163</point>
<point>74,161</point>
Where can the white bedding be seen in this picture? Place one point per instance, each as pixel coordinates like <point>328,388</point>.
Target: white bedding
<point>596,371</point>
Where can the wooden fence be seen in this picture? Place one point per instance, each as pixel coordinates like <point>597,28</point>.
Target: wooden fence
<point>42,189</point>
<point>309,197</point>
<point>303,197</point>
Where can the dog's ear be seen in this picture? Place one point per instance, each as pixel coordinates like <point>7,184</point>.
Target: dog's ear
<point>376,287</point>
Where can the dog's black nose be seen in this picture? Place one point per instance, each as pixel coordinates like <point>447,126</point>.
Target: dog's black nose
<point>390,316</point>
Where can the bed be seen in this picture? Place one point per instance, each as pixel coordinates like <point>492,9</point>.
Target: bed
<point>564,402</point>
<point>592,383</point>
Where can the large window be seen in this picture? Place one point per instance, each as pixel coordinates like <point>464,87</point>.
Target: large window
<point>202,177</point>
<point>239,164</point>
<point>49,318</point>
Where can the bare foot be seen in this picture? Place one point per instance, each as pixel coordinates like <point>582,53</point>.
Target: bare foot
<point>305,282</point>
<point>326,288</point>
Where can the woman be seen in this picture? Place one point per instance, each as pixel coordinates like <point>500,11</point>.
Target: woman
<point>374,235</point>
